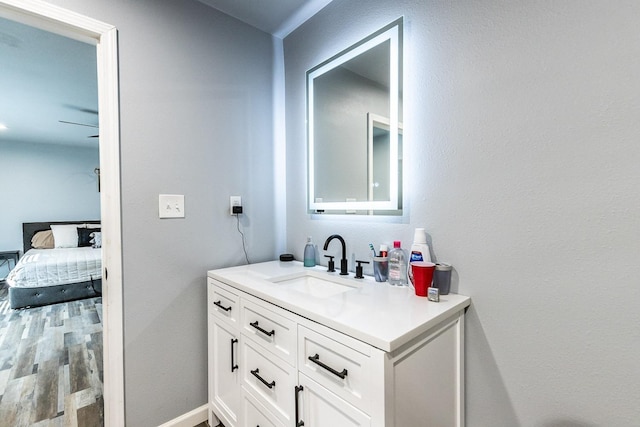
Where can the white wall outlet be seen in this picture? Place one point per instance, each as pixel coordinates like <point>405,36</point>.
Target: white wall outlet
<point>234,201</point>
<point>171,206</point>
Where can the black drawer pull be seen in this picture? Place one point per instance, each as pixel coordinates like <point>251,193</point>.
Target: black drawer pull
<point>219,304</point>
<point>299,422</point>
<point>255,325</point>
<point>316,359</point>
<point>233,365</point>
<point>255,373</point>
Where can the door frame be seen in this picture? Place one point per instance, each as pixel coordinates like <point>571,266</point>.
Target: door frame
<point>61,21</point>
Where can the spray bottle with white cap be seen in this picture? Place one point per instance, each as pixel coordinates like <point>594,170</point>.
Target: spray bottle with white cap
<point>419,250</point>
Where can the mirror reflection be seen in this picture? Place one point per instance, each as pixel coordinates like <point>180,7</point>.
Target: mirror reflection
<point>378,146</point>
<point>354,135</point>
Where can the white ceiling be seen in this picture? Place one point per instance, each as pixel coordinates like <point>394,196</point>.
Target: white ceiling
<point>45,78</point>
<point>277,17</point>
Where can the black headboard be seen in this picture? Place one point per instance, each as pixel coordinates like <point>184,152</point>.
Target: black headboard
<point>31,228</point>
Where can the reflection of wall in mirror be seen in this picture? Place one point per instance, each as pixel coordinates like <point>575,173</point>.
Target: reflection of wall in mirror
<point>342,100</point>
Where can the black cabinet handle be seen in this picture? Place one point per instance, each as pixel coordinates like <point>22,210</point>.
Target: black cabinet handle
<point>255,373</point>
<point>233,366</point>
<point>299,423</point>
<point>219,304</point>
<point>316,359</point>
<point>255,325</point>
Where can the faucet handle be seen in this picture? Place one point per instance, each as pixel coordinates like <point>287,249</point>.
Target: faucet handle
<point>359,274</point>
<point>331,266</point>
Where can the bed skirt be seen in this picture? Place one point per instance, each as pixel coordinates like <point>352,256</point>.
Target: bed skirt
<point>34,297</point>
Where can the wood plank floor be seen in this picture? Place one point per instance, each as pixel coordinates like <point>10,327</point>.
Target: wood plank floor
<point>51,370</point>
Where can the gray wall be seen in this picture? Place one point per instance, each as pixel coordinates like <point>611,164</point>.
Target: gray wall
<point>521,128</point>
<point>42,182</point>
<point>196,119</point>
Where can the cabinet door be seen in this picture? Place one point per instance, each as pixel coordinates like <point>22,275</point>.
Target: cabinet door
<point>224,375</point>
<point>318,407</point>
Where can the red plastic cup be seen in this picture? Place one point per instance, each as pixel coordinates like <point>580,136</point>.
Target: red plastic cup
<point>422,276</point>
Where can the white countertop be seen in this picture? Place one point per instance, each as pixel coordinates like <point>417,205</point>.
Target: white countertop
<point>381,315</point>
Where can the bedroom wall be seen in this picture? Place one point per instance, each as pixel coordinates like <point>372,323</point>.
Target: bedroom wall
<point>196,119</point>
<point>521,127</point>
<point>45,183</point>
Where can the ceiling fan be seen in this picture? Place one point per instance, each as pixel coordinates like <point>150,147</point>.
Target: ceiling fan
<point>84,110</point>
<point>81,124</point>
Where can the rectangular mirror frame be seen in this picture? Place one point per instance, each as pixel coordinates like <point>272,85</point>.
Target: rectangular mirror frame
<point>392,33</point>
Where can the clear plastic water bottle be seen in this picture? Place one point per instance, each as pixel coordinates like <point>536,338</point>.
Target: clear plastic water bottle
<point>309,254</point>
<point>397,265</point>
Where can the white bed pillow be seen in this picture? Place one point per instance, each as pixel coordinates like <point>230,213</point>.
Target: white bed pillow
<point>65,235</point>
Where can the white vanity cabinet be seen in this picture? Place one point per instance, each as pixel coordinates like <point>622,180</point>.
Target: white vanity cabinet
<point>297,366</point>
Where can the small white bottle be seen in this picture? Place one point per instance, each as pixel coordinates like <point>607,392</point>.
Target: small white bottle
<point>419,250</point>
<point>309,254</point>
<point>397,265</point>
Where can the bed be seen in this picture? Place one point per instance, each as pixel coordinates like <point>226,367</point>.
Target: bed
<point>47,275</point>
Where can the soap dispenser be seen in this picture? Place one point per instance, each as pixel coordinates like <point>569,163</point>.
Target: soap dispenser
<point>309,254</point>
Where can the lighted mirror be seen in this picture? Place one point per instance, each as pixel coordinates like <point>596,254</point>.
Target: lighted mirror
<point>354,134</point>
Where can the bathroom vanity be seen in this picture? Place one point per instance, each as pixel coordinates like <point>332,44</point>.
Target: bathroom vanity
<point>294,346</point>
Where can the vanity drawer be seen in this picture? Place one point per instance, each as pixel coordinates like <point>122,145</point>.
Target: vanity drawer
<point>223,303</point>
<point>269,380</point>
<point>338,366</point>
<point>271,328</point>
<point>255,414</point>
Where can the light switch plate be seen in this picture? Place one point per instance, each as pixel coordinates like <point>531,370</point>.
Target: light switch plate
<point>171,205</point>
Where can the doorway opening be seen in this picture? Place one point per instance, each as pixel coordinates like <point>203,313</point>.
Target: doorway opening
<point>104,37</point>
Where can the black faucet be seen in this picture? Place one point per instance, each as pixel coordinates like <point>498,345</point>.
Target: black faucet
<point>343,262</point>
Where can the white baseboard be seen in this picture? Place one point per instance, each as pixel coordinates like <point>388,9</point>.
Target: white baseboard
<point>190,419</point>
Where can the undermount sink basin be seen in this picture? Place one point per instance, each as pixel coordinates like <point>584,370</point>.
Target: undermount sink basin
<point>315,284</point>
